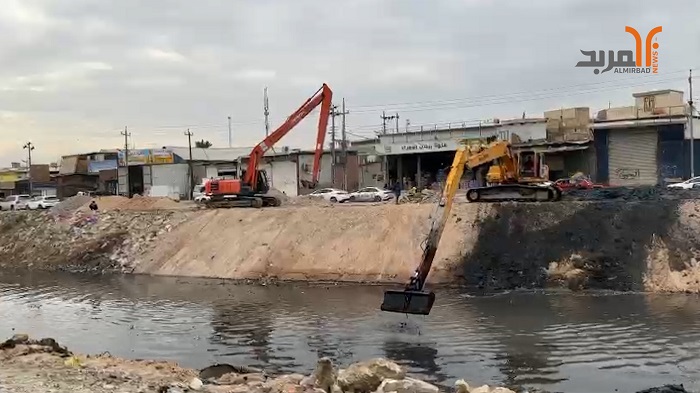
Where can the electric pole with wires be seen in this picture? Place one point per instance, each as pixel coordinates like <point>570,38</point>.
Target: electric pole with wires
<point>343,146</point>
<point>334,113</point>
<point>127,185</point>
<point>29,146</point>
<point>189,162</point>
<point>690,124</point>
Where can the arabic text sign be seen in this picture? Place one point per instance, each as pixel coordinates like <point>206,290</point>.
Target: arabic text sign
<point>627,61</point>
<point>147,156</point>
<point>420,147</point>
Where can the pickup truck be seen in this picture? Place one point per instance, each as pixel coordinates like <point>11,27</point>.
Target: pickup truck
<point>15,202</point>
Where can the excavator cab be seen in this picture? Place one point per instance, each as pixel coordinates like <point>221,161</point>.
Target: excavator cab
<point>263,182</point>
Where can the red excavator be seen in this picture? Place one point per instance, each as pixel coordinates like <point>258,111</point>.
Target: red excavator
<point>251,191</point>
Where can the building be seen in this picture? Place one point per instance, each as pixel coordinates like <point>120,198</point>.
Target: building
<point>568,146</point>
<point>370,162</point>
<point>291,170</point>
<point>421,157</point>
<point>166,171</point>
<point>645,144</point>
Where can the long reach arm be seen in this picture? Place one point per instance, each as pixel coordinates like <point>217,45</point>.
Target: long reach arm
<point>324,97</point>
<point>413,300</point>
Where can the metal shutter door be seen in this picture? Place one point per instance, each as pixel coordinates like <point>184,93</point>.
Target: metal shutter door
<point>633,157</point>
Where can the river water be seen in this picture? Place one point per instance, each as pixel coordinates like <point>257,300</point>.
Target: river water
<point>554,341</point>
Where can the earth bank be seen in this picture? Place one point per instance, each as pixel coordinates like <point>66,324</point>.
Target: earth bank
<point>616,244</point>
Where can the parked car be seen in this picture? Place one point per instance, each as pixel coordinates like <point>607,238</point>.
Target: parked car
<point>15,202</point>
<point>42,202</point>
<point>370,194</point>
<point>331,195</point>
<point>693,182</point>
<point>198,193</point>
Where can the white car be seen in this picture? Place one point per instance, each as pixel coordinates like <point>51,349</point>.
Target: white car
<point>371,194</point>
<point>198,193</point>
<point>15,202</point>
<point>331,195</point>
<point>42,202</point>
<point>686,185</point>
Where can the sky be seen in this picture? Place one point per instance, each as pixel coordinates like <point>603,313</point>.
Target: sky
<point>74,73</point>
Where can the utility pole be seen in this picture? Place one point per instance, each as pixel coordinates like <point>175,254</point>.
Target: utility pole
<point>266,112</point>
<point>189,143</point>
<point>229,131</point>
<point>126,160</point>
<point>690,124</point>
<point>344,147</point>
<point>385,118</point>
<point>334,113</point>
<point>29,146</point>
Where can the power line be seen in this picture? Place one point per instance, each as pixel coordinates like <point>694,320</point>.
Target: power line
<point>636,78</point>
<point>477,102</point>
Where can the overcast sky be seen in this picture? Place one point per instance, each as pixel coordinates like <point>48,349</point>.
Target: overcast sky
<point>75,72</point>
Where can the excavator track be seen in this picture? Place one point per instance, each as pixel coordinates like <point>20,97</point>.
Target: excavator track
<point>514,193</point>
<point>256,202</point>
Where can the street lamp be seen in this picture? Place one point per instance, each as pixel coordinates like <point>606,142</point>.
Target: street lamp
<point>29,146</point>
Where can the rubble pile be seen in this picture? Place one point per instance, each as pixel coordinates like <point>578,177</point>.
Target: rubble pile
<point>642,193</point>
<point>424,196</point>
<point>44,363</point>
<point>82,242</point>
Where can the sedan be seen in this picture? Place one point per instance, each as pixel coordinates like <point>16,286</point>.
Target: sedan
<point>686,185</point>
<point>15,202</point>
<point>42,202</point>
<point>371,194</point>
<point>331,195</point>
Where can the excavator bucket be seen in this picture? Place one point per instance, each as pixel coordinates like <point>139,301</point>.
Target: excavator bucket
<point>408,302</point>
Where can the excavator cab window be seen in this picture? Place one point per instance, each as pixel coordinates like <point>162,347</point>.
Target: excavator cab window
<point>263,183</point>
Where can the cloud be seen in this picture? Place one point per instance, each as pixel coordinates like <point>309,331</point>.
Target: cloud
<point>75,72</point>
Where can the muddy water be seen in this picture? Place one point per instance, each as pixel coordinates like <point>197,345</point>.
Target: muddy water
<point>595,342</point>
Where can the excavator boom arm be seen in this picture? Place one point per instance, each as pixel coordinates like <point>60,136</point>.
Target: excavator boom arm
<point>439,219</point>
<point>324,97</point>
<point>413,300</point>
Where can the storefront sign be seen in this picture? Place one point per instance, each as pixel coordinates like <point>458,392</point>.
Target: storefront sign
<point>9,177</point>
<point>147,156</point>
<point>420,147</point>
<point>98,166</point>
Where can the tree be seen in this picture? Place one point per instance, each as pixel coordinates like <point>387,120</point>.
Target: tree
<point>202,144</point>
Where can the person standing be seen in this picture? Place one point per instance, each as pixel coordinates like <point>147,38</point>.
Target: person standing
<point>397,190</point>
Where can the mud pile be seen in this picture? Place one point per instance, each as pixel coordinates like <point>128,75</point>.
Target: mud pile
<point>106,241</point>
<point>646,193</point>
<point>43,365</point>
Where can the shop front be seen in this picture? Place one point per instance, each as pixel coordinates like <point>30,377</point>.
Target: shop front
<point>419,164</point>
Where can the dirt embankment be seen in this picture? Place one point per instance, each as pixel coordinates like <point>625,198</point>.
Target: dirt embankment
<point>619,244</point>
<point>351,243</point>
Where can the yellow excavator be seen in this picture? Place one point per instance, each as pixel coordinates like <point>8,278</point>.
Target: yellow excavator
<point>506,183</point>
<point>507,179</point>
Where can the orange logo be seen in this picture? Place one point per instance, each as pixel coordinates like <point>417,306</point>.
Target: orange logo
<point>652,56</point>
<point>627,61</point>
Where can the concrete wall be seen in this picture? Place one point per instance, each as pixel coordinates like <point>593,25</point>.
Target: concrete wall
<point>283,176</point>
<point>171,175</point>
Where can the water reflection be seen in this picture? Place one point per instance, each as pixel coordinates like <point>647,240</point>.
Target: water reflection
<point>553,341</point>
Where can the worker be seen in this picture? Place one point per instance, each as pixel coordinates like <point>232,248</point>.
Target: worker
<point>397,190</point>
<point>93,206</point>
